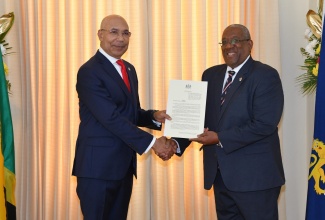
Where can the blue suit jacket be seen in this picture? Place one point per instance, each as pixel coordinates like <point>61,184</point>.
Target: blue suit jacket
<point>108,137</point>
<point>247,128</point>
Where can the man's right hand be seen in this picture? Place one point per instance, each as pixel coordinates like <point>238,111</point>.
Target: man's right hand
<point>164,148</point>
<point>207,137</point>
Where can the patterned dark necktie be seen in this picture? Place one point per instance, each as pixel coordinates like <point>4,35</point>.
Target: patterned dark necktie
<point>227,85</point>
<point>124,74</point>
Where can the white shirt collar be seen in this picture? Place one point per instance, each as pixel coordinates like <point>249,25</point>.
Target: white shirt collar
<point>236,69</point>
<point>110,58</point>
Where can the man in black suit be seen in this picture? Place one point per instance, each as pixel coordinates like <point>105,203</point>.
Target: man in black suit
<point>108,138</point>
<point>241,147</point>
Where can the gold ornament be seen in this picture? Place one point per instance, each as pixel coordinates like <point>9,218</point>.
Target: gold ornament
<point>6,22</point>
<point>314,22</point>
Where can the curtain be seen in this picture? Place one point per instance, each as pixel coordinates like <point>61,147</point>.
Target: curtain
<point>171,39</point>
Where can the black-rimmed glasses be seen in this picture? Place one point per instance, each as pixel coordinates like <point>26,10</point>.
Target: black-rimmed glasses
<point>232,42</point>
<point>116,33</point>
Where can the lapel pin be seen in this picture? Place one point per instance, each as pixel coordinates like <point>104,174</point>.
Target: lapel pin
<point>240,79</point>
<point>129,69</point>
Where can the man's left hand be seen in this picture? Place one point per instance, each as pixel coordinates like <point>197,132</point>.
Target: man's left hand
<point>161,116</point>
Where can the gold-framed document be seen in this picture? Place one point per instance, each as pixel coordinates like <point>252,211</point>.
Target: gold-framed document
<point>186,106</point>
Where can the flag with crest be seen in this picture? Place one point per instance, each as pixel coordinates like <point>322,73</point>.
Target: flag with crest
<point>316,179</point>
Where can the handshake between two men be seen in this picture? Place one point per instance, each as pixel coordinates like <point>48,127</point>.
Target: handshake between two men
<point>165,148</point>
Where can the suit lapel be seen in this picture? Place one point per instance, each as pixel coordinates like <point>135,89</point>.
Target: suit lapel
<point>133,81</point>
<point>132,77</point>
<point>112,72</point>
<point>219,85</point>
<point>237,82</point>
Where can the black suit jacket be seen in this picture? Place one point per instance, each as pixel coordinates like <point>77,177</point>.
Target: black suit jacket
<point>250,157</point>
<point>108,137</point>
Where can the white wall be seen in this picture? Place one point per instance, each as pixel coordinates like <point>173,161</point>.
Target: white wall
<point>297,121</point>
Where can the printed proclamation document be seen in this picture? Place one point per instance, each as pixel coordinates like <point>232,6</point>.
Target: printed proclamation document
<point>186,105</point>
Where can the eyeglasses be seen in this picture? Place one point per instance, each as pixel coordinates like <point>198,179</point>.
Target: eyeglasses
<point>115,33</point>
<point>232,42</point>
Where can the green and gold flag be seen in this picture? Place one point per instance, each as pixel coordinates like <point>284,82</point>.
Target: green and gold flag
<point>7,154</point>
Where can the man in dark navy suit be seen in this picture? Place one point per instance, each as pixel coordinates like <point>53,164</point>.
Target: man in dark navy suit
<point>241,147</point>
<point>109,137</point>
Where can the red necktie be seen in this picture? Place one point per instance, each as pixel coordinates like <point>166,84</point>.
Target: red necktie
<point>124,74</point>
<point>227,85</point>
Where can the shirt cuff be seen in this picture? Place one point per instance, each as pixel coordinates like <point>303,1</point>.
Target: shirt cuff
<point>151,144</point>
<point>157,123</point>
<point>178,150</point>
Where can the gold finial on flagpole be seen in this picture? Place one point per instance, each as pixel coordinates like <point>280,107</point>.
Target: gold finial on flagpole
<point>6,22</point>
<point>314,22</point>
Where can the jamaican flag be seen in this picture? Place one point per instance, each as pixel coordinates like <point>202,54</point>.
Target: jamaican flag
<point>7,153</point>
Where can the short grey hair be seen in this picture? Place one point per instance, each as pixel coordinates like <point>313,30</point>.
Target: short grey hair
<point>243,28</point>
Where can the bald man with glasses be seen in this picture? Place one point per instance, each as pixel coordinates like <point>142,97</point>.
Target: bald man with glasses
<point>109,137</point>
